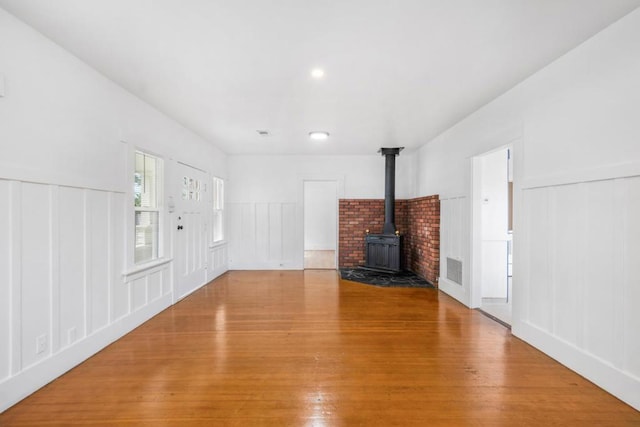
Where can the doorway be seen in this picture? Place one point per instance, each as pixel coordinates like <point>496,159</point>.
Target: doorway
<point>191,230</point>
<point>320,224</point>
<point>493,233</point>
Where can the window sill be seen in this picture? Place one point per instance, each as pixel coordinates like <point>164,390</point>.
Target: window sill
<point>141,270</point>
<point>217,244</point>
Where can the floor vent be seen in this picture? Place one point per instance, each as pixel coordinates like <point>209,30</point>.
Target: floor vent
<point>454,270</point>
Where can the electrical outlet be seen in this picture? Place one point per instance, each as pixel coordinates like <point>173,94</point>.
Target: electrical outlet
<point>71,335</point>
<point>41,344</point>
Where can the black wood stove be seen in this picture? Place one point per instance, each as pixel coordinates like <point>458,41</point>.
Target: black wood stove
<point>383,251</point>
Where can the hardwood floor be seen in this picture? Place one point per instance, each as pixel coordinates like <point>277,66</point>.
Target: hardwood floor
<point>304,348</point>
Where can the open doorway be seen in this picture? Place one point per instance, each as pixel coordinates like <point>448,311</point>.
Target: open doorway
<point>320,224</point>
<point>493,233</point>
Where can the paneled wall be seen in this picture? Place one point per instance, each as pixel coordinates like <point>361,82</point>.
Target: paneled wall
<point>581,284</point>
<point>264,236</point>
<point>62,261</point>
<point>454,244</point>
<point>576,167</point>
<point>68,285</point>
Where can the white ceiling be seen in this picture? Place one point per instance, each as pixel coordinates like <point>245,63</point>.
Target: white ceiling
<point>398,72</point>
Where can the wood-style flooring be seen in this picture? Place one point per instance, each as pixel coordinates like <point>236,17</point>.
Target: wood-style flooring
<point>303,348</point>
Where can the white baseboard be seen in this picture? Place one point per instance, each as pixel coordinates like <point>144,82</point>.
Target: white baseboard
<point>16,388</point>
<point>454,290</point>
<point>623,385</point>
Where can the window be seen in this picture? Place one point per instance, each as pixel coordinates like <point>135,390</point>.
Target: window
<point>147,181</point>
<point>218,210</point>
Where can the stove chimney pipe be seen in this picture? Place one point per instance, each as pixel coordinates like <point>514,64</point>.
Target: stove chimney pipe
<point>390,188</point>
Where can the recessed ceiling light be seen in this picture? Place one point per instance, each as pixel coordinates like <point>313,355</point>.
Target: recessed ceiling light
<point>317,73</point>
<point>319,135</point>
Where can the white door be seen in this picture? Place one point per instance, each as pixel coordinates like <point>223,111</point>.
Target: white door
<point>191,230</point>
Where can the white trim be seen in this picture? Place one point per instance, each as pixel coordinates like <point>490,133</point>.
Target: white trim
<point>16,388</point>
<point>621,384</point>
<point>218,244</point>
<point>620,170</point>
<point>141,270</point>
<point>454,290</point>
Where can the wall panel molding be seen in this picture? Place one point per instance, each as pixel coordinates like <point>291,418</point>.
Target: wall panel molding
<point>575,273</point>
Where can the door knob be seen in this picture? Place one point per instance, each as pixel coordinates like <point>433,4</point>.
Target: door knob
<point>180,227</point>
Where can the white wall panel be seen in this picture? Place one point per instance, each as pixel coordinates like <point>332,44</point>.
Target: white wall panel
<point>36,271</point>
<point>582,270</point>
<point>154,287</point>
<point>630,286</point>
<point>119,291</point>
<point>71,258</point>
<point>138,293</point>
<point>275,232</point>
<point>599,289</point>
<point>98,258</point>
<point>540,295</point>
<point>217,261</point>
<point>567,261</point>
<point>454,243</point>
<point>5,279</point>
<point>262,236</point>
<point>290,244</point>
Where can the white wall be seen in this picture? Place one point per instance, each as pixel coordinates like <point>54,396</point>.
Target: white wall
<point>576,137</point>
<point>266,227</point>
<point>67,136</point>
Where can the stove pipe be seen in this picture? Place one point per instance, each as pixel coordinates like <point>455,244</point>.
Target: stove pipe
<point>390,188</point>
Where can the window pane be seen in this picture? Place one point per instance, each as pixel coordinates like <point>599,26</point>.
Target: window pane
<point>218,210</point>
<point>145,181</point>
<point>146,246</point>
<point>218,230</point>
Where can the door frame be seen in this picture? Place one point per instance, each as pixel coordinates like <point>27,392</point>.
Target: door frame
<point>475,288</point>
<point>339,180</point>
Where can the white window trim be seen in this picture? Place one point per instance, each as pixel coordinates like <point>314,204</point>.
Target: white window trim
<point>131,244</point>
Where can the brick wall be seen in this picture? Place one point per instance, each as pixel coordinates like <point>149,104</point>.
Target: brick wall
<point>355,217</point>
<point>418,220</point>
<point>422,241</point>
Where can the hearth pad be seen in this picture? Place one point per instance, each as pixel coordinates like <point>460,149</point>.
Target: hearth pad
<point>403,279</point>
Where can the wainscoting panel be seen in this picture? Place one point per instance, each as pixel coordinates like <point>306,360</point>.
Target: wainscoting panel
<point>217,263</point>
<point>97,236</point>
<point>119,293</point>
<point>454,244</point>
<point>262,235</point>
<point>5,279</point>
<point>582,278</point>
<point>630,295</point>
<point>35,285</point>
<point>72,265</point>
<point>62,293</point>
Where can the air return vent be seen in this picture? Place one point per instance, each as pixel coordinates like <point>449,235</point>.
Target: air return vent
<point>454,270</point>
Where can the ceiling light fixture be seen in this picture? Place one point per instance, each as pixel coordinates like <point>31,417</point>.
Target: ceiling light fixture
<point>317,73</point>
<point>319,135</point>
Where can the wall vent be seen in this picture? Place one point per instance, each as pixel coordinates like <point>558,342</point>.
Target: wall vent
<point>454,270</point>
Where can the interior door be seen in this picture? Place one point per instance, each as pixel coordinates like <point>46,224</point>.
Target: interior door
<point>191,230</point>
